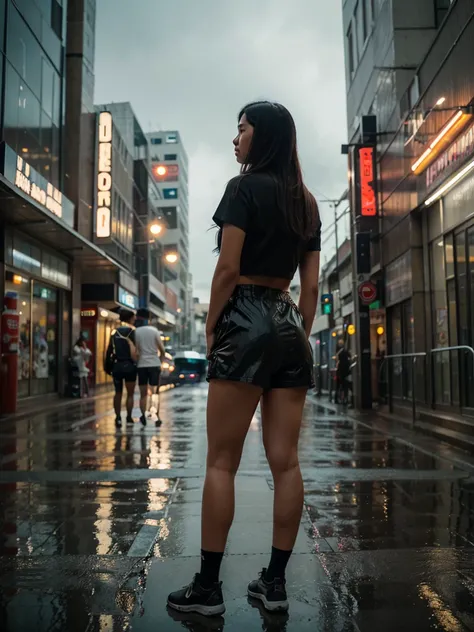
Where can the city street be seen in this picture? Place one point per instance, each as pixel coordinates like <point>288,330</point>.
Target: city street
<point>97,526</point>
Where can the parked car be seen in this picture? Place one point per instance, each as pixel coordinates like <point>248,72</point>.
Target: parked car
<point>190,367</point>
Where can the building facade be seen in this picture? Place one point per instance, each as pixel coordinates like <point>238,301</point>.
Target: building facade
<point>43,252</point>
<point>422,243</point>
<point>129,226</point>
<point>169,168</point>
<point>76,207</point>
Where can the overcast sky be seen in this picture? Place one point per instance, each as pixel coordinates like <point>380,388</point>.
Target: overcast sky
<point>190,65</point>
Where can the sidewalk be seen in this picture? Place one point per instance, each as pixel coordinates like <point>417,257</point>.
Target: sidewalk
<point>98,526</point>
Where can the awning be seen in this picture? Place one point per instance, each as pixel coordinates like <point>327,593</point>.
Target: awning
<point>20,211</point>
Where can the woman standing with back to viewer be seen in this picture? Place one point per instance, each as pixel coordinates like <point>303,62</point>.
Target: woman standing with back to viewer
<point>258,346</point>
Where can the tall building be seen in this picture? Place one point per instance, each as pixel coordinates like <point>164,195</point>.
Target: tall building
<point>128,225</point>
<point>80,217</point>
<point>408,65</point>
<point>42,252</point>
<point>169,168</point>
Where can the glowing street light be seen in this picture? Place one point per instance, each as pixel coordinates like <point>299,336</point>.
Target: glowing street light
<point>156,228</point>
<point>171,257</point>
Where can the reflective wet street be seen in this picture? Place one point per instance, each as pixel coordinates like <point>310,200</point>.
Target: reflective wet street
<point>97,526</point>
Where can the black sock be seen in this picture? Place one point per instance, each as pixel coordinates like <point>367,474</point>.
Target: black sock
<point>278,563</point>
<point>210,567</point>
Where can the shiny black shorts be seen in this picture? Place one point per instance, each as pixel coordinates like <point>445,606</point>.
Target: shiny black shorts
<point>260,340</point>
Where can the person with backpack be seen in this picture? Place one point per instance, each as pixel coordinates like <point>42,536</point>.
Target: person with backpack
<point>121,363</point>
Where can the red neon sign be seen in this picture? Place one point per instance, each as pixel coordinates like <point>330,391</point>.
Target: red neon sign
<point>368,200</point>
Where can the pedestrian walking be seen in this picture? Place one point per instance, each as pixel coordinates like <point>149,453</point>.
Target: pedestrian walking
<point>81,355</point>
<point>150,352</point>
<point>258,347</point>
<point>121,363</point>
<point>343,371</point>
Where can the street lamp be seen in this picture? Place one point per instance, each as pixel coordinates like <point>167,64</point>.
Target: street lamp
<point>156,228</point>
<point>171,257</point>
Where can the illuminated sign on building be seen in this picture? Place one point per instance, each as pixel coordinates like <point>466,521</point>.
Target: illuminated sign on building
<point>170,194</point>
<point>48,197</point>
<point>368,200</point>
<point>104,176</point>
<point>88,313</point>
<point>127,299</point>
<point>451,159</point>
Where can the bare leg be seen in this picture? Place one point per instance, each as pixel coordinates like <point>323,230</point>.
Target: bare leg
<point>282,412</point>
<point>118,404</point>
<point>143,398</point>
<point>130,386</point>
<point>230,408</point>
<point>155,400</point>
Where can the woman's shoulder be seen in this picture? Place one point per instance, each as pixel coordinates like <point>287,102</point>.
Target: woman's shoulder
<point>251,182</point>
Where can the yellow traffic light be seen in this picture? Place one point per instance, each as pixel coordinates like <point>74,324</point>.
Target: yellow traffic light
<point>380,331</point>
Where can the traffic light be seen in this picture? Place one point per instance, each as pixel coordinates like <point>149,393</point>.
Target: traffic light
<point>326,304</point>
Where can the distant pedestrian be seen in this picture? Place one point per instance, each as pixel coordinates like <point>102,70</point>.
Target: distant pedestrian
<point>150,352</point>
<point>343,371</point>
<point>81,355</point>
<point>121,363</point>
<point>258,348</point>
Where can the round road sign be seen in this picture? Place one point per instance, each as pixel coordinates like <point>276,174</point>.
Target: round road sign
<point>367,292</point>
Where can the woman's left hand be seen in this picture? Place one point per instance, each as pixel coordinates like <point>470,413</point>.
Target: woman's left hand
<point>210,336</point>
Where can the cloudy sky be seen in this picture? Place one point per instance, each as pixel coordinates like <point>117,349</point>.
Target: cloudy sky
<point>190,65</point>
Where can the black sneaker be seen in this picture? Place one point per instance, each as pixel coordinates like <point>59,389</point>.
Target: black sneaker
<point>130,420</point>
<point>143,420</point>
<point>271,594</point>
<point>195,598</point>
<point>118,421</point>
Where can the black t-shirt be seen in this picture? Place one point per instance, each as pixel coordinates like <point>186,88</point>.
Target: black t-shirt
<point>250,202</point>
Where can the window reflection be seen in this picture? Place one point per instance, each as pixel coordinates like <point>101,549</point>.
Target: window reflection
<point>23,50</point>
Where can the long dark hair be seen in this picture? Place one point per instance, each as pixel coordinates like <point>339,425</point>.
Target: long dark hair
<point>274,149</point>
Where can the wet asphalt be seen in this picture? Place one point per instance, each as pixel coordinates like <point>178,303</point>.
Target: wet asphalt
<point>98,525</point>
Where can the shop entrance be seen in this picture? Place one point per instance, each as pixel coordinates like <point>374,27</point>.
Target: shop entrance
<point>38,347</point>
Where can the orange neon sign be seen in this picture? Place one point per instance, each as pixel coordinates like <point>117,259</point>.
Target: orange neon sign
<point>447,134</point>
<point>368,200</point>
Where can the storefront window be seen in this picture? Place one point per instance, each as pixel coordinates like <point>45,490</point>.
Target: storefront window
<point>449,255</point>
<point>37,308</point>
<point>453,339</point>
<point>402,341</point>
<point>44,328</point>
<point>442,379</point>
<point>24,309</point>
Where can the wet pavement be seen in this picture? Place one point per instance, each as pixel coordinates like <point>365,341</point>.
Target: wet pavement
<point>97,526</point>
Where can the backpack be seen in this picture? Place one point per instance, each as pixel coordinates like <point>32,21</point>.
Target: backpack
<point>111,358</point>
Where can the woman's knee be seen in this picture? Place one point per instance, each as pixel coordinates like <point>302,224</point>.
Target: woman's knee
<point>281,459</point>
<point>223,460</point>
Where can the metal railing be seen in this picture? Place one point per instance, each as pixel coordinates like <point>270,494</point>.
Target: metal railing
<point>414,356</point>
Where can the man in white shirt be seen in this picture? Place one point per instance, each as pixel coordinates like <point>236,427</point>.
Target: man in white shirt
<point>150,352</point>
